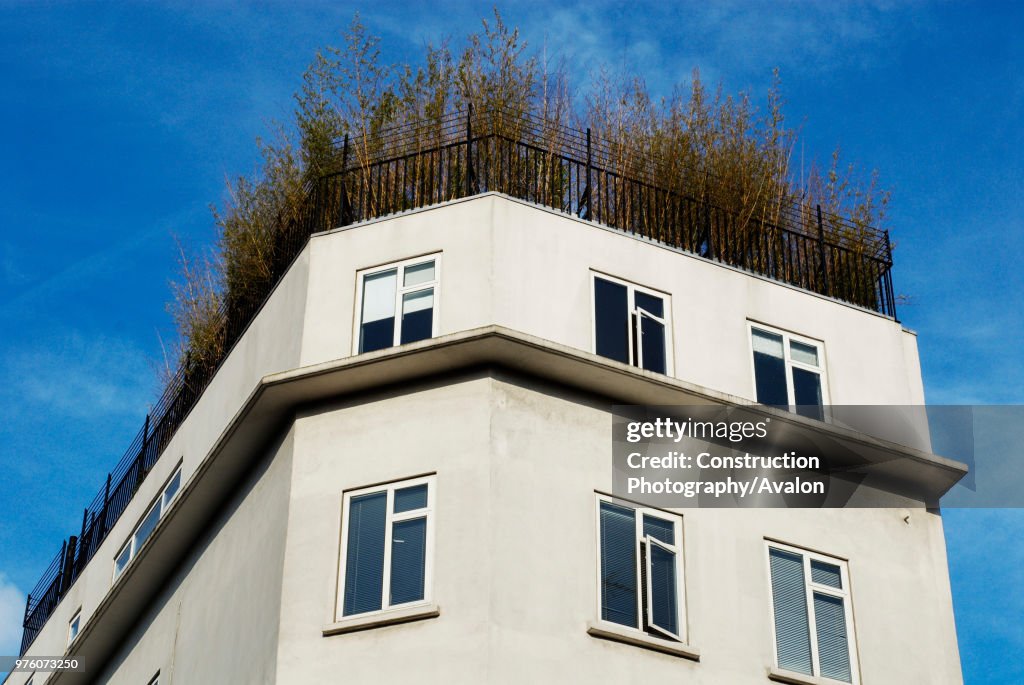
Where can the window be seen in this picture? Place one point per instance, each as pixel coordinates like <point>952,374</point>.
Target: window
<point>641,572</point>
<point>812,616</point>
<point>74,626</point>
<point>155,679</point>
<point>631,324</point>
<point>149,521</point>
<point>788,371</point>
<point>386,555</point>
<point>397,304</point>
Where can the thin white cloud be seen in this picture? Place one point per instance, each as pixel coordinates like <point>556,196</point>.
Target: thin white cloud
<point>78,377</point>
<point>12,611</point>
<point>12,269</point>
<point>114,257</point>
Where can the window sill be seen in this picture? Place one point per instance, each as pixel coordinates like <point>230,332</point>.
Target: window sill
<point>617,633</point>
<point>781,675</point>
<point>379,619</point>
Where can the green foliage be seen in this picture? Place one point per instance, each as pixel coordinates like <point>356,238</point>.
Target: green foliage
<point>717,148</point>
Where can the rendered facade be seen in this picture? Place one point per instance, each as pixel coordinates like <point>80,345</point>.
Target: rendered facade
<point>400,474</point>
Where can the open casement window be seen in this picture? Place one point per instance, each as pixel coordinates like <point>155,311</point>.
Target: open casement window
<point>631,324</point>
<point>812,616</point>
<point>397,303</point>
<point>789,371</point>
<point>145,528</point>
<point>387,547</point>
<point>641,572</point>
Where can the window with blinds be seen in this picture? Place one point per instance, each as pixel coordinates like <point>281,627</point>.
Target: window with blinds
<point>641,571</point>
<point>387,542</point>
<point>812,616</point>
<point>631,324</point>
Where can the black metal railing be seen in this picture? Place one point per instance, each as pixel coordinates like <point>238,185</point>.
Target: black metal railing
<point>464,154</point>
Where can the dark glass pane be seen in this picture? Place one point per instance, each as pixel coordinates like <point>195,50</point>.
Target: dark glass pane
<point>122,559</point>
<point>659,529</point>
<point>792,629</point>
<point>650,304</point>
<point>611,320</point>
<point>408,499</point>
<point>833,646</point>
<point>408,560</point>
<point>147,526</point>
<point>664,610</point>
<point>618,565</point>
<point>807,389</point>
<point>417,316</point>
<point>652,341</point>
<point>364,559</point>
<point>826,574</point>
<point>377,335</point>
<point>770,377</point>
<point>377,320</point>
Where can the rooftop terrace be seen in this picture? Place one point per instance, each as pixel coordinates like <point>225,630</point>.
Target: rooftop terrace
<point>466,154</point>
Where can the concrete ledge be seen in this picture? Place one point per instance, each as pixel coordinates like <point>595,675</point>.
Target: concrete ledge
<point>781,675</point>
<point>616,633</point>
<point>379,619</point>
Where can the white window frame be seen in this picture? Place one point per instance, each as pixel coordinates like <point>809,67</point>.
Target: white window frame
<point>634,331</point>
<point>155,680</point>
<point>810,587</point>
<point>75,626</point>
<point>677,549</point>
<point>427,512</point>
<point>790,363</point>
<point>164,503</point>
<point>400,291</point>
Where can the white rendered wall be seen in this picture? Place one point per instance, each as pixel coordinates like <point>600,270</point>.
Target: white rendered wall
<point>217,620</point>
<point>516,555</point>
<point>509,263</point>
<point>515,560</point>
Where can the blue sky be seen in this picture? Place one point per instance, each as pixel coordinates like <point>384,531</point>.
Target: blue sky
<point>123,121</point>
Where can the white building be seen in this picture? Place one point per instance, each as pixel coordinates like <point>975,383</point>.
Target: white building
<point>360,497</point>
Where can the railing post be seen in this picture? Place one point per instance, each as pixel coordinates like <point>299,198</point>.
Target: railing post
<point>469,150</point>
<point>344,191</point>
<point>145,440</point>
<point>589,193</point>
<point>890,296</point>
<point>707,229</point>
<point>103,516</point>
<point>60,574</point>
<point>25,640</point>
<point>821,255</point>
<point>68,564</point>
